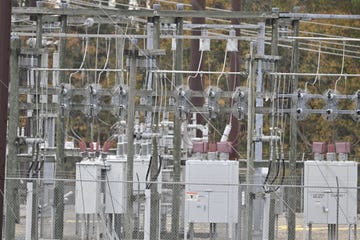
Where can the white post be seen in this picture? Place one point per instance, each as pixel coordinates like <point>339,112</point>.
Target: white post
<point>29,202</point>
<point>147,217</point>
<point>266,217</point>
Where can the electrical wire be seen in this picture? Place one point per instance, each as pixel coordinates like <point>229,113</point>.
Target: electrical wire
<point>96,53</point>
<point>197,71</point>
<point>222,70</point>
<point>155,177</point>
<point>342,67</point>
<point>83,60</point>
<point>317,69</point>
<point>106,61</point>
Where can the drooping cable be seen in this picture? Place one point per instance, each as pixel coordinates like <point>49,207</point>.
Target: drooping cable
<point>317,69</point>
<point>342,66</point>
<point>108,44</point>
<point>155,177</point>
<point>222,70</point>
<point>96,52</point>
<point>198,69</point>
<point>83,60</point>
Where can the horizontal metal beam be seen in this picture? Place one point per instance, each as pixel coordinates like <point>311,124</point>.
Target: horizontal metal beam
<point>221,26</point>
<point>142,13</point>
<point>125,36</point>
<point>308,16</point>
<point>174,13</point>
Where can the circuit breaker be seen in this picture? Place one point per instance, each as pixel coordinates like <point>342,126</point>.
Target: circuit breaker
<point>320,192</point>
<point>88,197</point>
<point>211,191</point>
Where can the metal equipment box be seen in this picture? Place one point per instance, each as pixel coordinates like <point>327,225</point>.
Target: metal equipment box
<point>116,181</point>
<point>211,191</point>
<point>115,187</point>
<point>320,192</point>
<point>88,187</point>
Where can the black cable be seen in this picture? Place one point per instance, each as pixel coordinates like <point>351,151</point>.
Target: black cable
<point>283,173</point>
<point>282,177</point>
<point>268,173</point>
<point>148,170</point>
<point>277,171</point>
<point>159,169</point>
<point>29,169</point>
<point>157,173</point>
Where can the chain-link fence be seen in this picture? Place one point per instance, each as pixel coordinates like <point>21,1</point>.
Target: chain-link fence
<point>102,210</point>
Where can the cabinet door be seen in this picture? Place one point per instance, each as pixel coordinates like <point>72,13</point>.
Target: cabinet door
<point>342,208</point>
<point>317,208</point>
<point>198,208</point>
<point>218,207</point>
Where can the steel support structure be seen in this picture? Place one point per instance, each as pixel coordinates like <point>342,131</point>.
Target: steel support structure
<point>291,194</point>
<point>176,193</point>
<point>234,81</point>
<point>5,25</point>
<point>58,229</point>
<point>195,83</point>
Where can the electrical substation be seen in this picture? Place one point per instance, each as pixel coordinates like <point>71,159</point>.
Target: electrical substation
<point>123,124</point>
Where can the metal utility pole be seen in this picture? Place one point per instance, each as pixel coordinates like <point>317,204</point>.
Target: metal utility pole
<point>259,122</point>
<point>36,132</point>
<point>234,81</point>
<point>250,146</point>
<point>293,132</point>
<point>196,82</point>
<point>58,229</point>
<point>5,26</point>
<point>269,217</point>
<point>12,204</point>
<point>129,222</point>
<point>155,196</point>
<point>176,194</point>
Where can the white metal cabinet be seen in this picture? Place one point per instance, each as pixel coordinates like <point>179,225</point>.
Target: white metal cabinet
<point>211,191</point>
<point>320,193</point>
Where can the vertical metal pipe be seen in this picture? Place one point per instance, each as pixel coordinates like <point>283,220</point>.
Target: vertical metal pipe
<point>5,25</point>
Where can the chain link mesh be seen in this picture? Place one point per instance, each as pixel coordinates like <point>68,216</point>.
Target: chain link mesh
<point>169,213</point>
